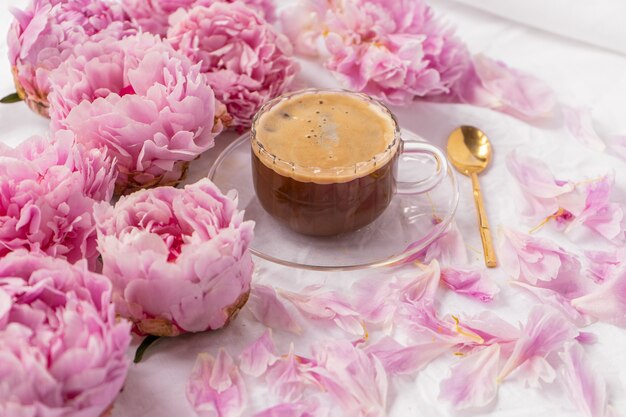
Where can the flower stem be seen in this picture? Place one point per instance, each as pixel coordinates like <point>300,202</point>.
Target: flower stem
<point>150,339</point>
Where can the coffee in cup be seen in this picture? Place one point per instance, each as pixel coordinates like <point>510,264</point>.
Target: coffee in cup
<point>324,162</point>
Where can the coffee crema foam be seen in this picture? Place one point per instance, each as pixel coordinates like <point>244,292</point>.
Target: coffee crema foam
<point>325,138</point>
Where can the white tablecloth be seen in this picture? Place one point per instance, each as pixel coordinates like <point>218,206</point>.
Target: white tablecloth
<point>580,74</point>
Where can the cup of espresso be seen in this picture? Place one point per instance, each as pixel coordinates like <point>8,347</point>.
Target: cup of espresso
<point>325,162</point>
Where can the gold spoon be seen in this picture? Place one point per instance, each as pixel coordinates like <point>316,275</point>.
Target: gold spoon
<point>469,151</point>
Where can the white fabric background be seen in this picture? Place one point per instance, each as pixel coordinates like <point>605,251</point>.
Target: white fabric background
<point>582,75</point>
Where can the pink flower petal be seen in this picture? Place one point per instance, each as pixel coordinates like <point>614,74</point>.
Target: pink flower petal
<point>377,301</point>
<point>604,264</point>
<point>269,310</point>
<point>289,376</point>
<point>608,302</point>
<point>401,360</point>
<point>493,84</point>
<point>557,301</point>
<point>215,387</point>
<point>535,370</point>
<point>580,125</point>
<point>260,355</point>
<point>355,379</point>
<point>297,409</point>
<point>473,381</point>
<point>447,249</point>
<point>538,185</point>
<point>540,262</point>
<point>599,213</point>
<point>583,383</point>
<point>469,281</point>
<point>326,306</point>
<point>546,330</point>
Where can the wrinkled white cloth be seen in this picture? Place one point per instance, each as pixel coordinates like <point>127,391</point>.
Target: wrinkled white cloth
<point>599,23</point>
<point>581,75</point>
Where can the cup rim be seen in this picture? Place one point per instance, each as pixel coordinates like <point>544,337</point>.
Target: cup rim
<point>315,170</point>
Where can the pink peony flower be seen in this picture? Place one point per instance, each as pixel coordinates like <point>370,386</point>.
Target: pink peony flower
<point>392,50</point>
<point>178,258</point>
<point>153,16</point>
<point>48,188</point>
<point>490,83</point>
<point>247,62</point>
<point>63,350</point>
<point>149,105</point>
<point>45,34</point>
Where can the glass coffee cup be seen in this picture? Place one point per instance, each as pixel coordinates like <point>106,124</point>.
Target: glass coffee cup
<point>325,162</point>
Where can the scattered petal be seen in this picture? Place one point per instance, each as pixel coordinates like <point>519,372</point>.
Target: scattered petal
<point>555,300</point>
<point>215,388</point>
<point>580,124</point>
<point>260,355</point>
<point>491,83</point>
<point>534,370</point>
<point>289,376</point>
<point>545,332</point>
<point>401,360</point>
<point>585,387</point>
<point>473,380</point>
<point>604,264</point>
<point>329,305</point>
<point>470,281</point>
<point>540,262</point>
<point>608,301</point>
<point>356,379</point>
<point>270,311</point>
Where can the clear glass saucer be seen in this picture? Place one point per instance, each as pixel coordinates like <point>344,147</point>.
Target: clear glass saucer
<point>407,226</point>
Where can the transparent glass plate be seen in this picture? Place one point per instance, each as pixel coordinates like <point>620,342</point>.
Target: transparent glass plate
<point>407,226</point>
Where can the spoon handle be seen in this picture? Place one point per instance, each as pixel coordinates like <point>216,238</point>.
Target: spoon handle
<point>483,224</point>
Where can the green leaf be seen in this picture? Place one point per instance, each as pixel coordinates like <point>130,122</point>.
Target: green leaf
<point>11,98</point>
<point>143,346</point>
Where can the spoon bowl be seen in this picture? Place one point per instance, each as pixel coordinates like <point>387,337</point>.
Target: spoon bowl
<point>469,150</point>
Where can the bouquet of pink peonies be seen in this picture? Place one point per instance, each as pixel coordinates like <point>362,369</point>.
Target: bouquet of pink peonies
<point>63,350</point>
<point>178,258</point>
<point>146,103</point>
<point>45,34</point>
<point>49,187</point>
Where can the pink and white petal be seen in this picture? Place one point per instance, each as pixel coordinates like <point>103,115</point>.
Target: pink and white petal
<point>374,300</point>
<point>356,379</point>
<point>329,305</point>
<point>583,383</point>
<point>215,388</point>
<point>603,264</point>
<point>269,310</point>
<point>289,376</point>
<point>580,124</point>
<point>470,281</point>
<point>473,380</point>
<point>555,300</point>
<point>608,302</point>
<point>400,360</point>
<point>491,328</point>
<point>545,331</point>
<point>295,409</point>
<point>535,370</point>
<point>261,354</point>
<point>587,338</point>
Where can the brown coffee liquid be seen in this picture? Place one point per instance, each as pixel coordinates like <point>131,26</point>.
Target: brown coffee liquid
<point>327,164</point>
